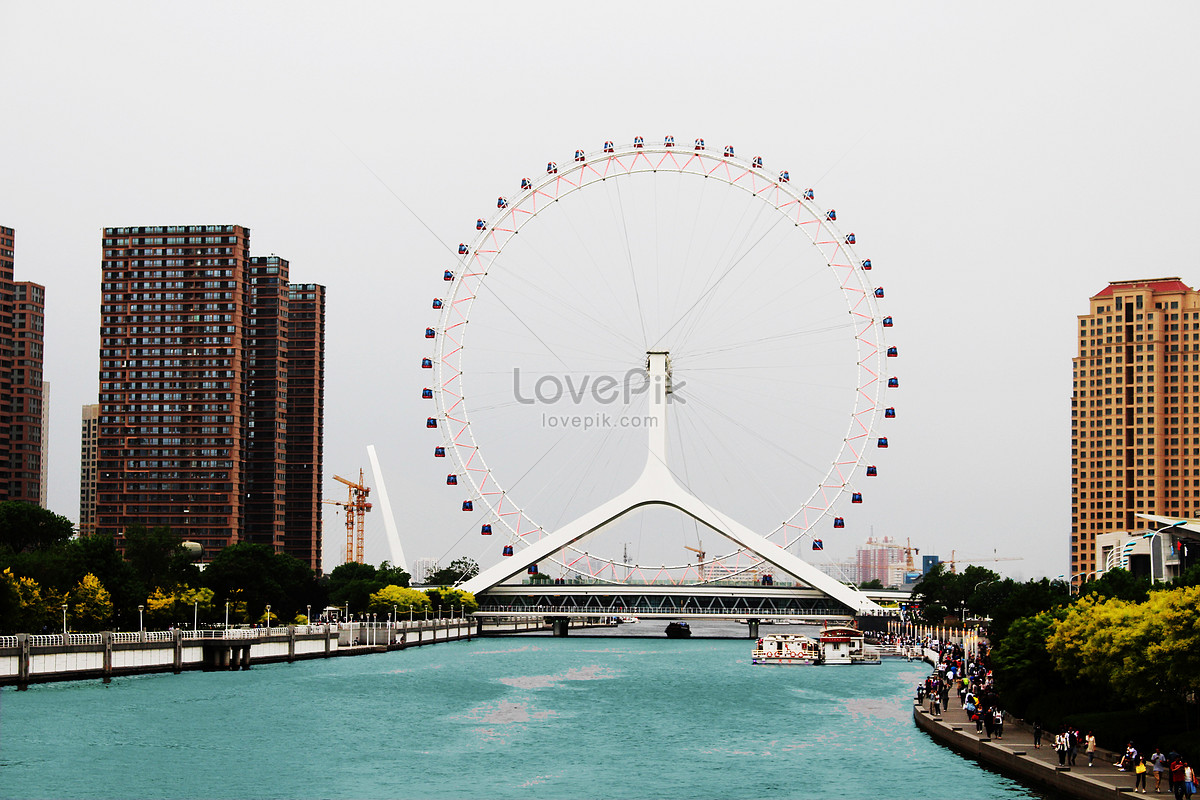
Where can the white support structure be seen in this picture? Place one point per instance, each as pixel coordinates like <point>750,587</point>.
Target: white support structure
<point>389,520</point>
<point>658,486</point>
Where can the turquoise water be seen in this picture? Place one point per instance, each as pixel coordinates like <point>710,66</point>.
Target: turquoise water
<point>526,717</point>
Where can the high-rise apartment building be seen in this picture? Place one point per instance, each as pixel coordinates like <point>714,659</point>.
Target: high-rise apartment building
<point>194,390</point>
<point>1135,413</point>
<point>305,435</point>
<point>89,432</point>
<point>22,414</point>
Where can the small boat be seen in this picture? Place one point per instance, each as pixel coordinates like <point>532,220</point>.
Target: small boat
<point>678,630</point>
<point>627,620</point>
<point>786,649</point>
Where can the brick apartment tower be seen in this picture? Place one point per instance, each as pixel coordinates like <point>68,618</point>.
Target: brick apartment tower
<point>22,415</point>
<point>194,385</point>
<point>306,401</point>
<point>1135,412</point>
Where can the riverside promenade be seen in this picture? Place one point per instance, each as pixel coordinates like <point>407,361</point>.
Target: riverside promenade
<point>1015,756</point>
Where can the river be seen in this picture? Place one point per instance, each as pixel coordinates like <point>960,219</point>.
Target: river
<point>587,716</point>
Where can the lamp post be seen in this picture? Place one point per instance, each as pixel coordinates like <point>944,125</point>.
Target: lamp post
<point>195,615</point>
<point>268,616</point>
<point>308,615</point>
<point>141,626</point>
<point>226,615</point>
<point>64,624</point>
<point>1153,536</point>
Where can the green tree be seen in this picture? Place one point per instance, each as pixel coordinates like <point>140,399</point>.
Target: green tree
<point>1023,667</point>
<point>25,526</point>
<point>446,600</point>
<point>256,575</point>
<point>392,576</point>
<point>403,598</point>
<point>874,583</point>
<point>1118,583</point>
<point>460,569</point>
<point>158,557</point>
<point>90,604</point>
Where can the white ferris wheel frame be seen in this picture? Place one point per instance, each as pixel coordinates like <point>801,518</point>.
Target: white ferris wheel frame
<point>592,168</point>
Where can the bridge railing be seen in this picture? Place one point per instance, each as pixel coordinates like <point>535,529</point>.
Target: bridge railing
<point>635,610</point>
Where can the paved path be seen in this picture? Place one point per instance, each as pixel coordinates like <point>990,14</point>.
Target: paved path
<point>1015,752</point>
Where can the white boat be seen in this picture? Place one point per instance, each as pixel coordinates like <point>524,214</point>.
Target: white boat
<point>627,620</point>
<point>786,649</point>
<point>843,644</point>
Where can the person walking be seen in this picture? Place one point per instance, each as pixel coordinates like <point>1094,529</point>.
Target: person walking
<point>1176,775</point>
<point>1090,747</point>
<point>1072,746</point>
<point>998,722</point>
<point>1037,735</point>
<point>1139,774</point>
<point>1158,762</point>
<point>1189,781</point>
<point>1060,747</point>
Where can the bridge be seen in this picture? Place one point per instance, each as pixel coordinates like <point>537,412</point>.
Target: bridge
<point>754,603</point>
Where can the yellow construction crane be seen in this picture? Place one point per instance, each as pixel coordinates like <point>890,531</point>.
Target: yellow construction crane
<point>910,564</point>
<point>356,506</point>
<point>699,551</point>
<point>953,561</point>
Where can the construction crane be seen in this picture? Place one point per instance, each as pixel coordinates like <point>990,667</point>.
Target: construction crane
<point>953,561</point>
<point>699,551</point>
<point>910,564</point>
<point>356,507</point>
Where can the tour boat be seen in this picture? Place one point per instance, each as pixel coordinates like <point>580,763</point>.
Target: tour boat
<point>786,649</point>
<point>843,644</point>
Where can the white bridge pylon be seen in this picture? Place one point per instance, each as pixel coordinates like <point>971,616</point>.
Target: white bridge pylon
<point>657,486</point>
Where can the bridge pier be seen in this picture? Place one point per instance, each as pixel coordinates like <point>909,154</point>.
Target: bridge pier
<point>560,625</point>
<point>753,628</point>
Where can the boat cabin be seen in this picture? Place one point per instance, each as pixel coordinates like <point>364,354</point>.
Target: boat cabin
<point>843,644</point>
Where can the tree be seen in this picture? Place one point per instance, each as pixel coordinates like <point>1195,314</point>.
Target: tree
<point>874,583</point>
<point>25,526</point>
<point>90,604</point>
<point>452,600</point>
<point>158,557</point>
<point>403,598</point>
<point>1118,583</point>
<point>1023,667</point>
<point>392,576</point>
<point>460,569</point>
<point>1146,654</point>
<point>38,607</point>
<point>256,575</point>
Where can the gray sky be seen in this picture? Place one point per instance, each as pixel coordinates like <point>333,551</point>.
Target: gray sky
<point>1002,162</point>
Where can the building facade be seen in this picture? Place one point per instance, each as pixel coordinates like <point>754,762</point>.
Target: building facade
<point>194,410</point>
<point>89,432</point>
<point>1135,414</point>
<point>22,406</point>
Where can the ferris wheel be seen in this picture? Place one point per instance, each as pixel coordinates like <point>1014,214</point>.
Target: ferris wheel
<point>568,273</point>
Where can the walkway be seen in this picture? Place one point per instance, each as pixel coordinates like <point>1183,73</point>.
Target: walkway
<point>1014,755</point>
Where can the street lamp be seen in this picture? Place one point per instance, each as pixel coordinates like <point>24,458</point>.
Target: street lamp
<point>308,615</point>
<point>226,615</point>
<point>268,616</point>
<point>141,626</point>
<point>1155,547</point>
<point>64,623</point>
<point>195,615</point>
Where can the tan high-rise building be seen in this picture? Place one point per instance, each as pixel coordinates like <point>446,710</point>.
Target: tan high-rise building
<point>89,436</point>
<point>1135,413</point>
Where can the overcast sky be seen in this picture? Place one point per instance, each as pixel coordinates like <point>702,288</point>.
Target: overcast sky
<point>1005,162</point>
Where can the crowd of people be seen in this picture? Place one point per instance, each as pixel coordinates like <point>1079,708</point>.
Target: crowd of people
<point>968,674</point>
